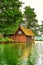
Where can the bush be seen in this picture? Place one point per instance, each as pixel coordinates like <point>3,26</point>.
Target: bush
<point>4,39</point>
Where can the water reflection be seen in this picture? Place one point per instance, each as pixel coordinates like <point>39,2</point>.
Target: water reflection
<point>26,53</point>
<point>29,54</point>
<point>39,60</point>
<point>21,53</point>
<point>32,53</point>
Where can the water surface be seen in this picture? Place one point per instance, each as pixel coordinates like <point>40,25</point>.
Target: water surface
<point>21,53</point>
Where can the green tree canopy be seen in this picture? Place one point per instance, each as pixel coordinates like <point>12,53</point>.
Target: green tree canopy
<point>10,15</point>
<point>41,28</point>
<point>30,14</point>
<point>31,20</point>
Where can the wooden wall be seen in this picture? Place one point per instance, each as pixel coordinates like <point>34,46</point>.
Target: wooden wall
<point>18,38</point>
<point>29,39</point>
<point>21,38</point>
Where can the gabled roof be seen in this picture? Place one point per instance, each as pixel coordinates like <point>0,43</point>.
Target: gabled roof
<point>26,31</point>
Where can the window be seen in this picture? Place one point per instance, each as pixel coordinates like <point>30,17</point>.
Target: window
<point>19,32</point>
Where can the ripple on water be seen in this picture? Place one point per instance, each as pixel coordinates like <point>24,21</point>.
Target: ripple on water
<point>39,60</point>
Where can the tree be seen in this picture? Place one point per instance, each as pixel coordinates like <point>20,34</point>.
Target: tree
<point>30,18</point>
<point>41,28</point>
<point>10,15</point>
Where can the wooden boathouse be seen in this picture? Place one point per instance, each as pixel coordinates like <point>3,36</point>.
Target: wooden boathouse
<point>22,35</point>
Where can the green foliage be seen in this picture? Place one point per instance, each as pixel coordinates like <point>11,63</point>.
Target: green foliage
<point>10,15</point>
<point>41,28</point>
<point>31,20</point>
<point>4,39</point>
<point>30,14</point>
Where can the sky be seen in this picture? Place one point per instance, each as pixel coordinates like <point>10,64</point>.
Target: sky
<point>37,5</point>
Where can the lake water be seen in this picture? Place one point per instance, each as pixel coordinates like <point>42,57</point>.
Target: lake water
<point>39,60</point>
<point>21,54</point>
